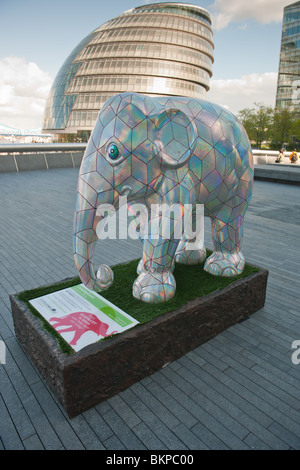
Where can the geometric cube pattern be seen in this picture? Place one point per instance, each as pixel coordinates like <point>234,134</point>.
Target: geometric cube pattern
<point>162,152</point>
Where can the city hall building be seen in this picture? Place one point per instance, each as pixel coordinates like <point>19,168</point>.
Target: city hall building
<point>288,86</point>
<point>156,49</point>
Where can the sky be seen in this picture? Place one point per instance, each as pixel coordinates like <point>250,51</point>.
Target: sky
<point>36,36</point>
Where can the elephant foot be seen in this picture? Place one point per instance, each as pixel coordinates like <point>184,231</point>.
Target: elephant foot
<point>154,287</point>
<point>185,256</point>
<point>105,276</point>
<point>141,269</point>
<point>225,264</point>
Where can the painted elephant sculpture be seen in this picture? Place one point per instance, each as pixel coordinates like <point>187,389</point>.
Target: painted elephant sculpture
<point>165,150</point>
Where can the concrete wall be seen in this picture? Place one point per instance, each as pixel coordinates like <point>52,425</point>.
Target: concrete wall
<point>7,163</point>
<point>29,162</point>
<point>40,161</point>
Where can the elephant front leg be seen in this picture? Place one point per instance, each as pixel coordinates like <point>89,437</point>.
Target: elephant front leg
<point>156,283</point>
<point>140,267</point>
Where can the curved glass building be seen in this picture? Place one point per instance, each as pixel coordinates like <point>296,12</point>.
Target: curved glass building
<point>288,86</point>
<point>156,49</point>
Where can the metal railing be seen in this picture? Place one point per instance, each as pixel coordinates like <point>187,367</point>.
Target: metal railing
<point>266,157</point>
<point>34,148</point>
<point>22,157</point>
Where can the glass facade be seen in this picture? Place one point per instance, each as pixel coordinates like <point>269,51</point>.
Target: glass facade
<point>159,49</point>
<point>288,87</point>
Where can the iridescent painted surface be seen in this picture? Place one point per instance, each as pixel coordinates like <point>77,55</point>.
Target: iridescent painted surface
<point>169,151</point>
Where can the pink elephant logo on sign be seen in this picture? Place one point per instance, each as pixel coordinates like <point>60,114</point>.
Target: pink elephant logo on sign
<point>80,323</point>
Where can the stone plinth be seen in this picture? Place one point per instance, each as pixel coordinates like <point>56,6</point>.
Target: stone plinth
<point>103,369</point>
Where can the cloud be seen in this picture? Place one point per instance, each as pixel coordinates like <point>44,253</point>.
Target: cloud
<point>264,11</point>
<point>24,88</point>
<point>238,93</point>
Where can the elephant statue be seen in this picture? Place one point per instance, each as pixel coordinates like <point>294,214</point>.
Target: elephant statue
<point>165,150</point>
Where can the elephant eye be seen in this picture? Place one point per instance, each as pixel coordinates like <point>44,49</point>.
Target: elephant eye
<point>113,151</point>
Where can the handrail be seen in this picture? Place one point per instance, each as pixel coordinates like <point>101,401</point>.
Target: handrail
<point>272,153</point>
<point>22,157</point>
<point>32,148</point>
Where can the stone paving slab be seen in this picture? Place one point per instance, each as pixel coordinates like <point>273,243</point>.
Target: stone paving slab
<point>240,390</point>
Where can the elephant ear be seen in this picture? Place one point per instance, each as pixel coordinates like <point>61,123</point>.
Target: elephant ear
<point>175,135</point>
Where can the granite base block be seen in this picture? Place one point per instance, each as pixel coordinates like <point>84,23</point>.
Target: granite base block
<point>103,369</point>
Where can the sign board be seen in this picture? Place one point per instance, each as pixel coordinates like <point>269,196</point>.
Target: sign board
<point>82,316</point>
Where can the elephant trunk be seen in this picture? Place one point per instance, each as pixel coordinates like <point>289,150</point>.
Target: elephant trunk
<point>85,235</point>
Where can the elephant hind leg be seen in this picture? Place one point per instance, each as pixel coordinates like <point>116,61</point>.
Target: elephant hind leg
<point>227,229</point>
<point>191,249</point>
<point>225,264</point>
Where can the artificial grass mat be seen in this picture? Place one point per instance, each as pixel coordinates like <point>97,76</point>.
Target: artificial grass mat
<point>191,282</point>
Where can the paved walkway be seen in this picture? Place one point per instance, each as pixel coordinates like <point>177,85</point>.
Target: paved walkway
<point>238,391</point>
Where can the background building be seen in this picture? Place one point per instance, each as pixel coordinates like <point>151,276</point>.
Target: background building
<point>288,87</point>
<point>157,49</point>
